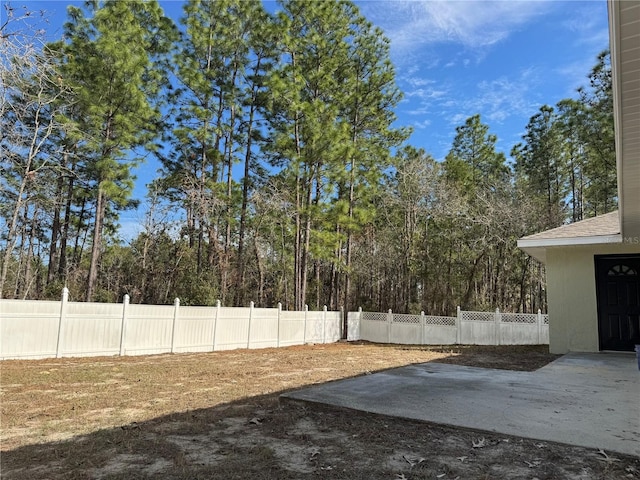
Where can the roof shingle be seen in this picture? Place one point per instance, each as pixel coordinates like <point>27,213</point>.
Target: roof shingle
<point>607,224</point>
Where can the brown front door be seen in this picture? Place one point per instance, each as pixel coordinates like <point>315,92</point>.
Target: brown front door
<point>618,290</point>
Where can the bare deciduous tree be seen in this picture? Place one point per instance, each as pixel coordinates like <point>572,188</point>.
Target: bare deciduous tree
<point>31,95</point>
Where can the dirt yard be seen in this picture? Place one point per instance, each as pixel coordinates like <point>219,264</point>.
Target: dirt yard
<point>217,416</point>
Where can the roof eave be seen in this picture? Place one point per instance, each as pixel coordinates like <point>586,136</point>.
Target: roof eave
<point>537,247</point>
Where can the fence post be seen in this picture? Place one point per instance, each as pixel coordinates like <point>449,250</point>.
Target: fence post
<point>304,328</point>
<point>359,323</point>
<point>176,307</point>
<point>123,325</point>
<point>324,324</point>
<point>458,325</point>
<point>389,322</point>
<point>215,326</point>
<point>249,329</point>
<point>497,323</point>
<point>423,323</point>
<point>279,315</point>
<point>539,318</point>
<point>63,315</point>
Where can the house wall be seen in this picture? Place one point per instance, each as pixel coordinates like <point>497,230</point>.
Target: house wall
<point>571,295</point>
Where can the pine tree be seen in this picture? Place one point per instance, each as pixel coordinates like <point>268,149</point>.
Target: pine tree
<point>473,161</point>
<point>540,162</point>
<point>333,97</point>
<point>597,130</point>
<point>109,62</point>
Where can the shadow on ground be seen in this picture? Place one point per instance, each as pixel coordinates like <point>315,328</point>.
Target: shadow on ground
<point>257,438</point>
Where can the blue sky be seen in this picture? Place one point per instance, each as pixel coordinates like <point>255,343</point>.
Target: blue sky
<point>501,59</point>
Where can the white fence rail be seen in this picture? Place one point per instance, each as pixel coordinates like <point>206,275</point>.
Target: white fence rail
<point>467,328</point>
<point>43,329</point>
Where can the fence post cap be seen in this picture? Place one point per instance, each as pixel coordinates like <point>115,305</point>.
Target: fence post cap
<point>176,302</point>
<point>126,298</point>
<point>218,303</point>
<point>324,308</point>
<point>251,304</point>
<point>279,305</point>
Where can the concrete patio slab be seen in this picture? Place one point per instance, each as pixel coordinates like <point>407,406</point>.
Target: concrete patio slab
<point>588,400</point>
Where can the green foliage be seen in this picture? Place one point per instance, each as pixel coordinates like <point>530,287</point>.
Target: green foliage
<point>473,161</point>
<point>541,163</point>
<point>332,206</point>
<point>109,60</point>
<point>567,159</point>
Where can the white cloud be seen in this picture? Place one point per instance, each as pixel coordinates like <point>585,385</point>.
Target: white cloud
<point>423,109</point>
<point>587,28</point>
<point>420,93</point>
<point>458,118</point>
<point>497,99</point>
<point>503,97</point>
<point>422,125</point>
<point>426,93</point>
<point>588,35</point>
<point>412,25</point>
<point>576,74</point>
<point>419,81</point>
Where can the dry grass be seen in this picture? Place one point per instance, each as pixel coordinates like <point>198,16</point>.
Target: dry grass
<point>216,415</point>
<point>48,400</point>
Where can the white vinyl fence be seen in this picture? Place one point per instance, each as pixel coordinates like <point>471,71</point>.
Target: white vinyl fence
<point>467,328</point>
<point>42,329</point>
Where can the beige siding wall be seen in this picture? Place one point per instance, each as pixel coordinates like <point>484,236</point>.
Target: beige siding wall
<point>571,293</point>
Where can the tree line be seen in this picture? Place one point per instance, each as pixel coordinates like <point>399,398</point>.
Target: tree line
<point>283,176</point>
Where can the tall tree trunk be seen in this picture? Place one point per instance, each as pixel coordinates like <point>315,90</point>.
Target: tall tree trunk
<point>261,272</point>
<point>13,224</point>
<point>229,208</point>
<point>64,238</point>
<point>28,274</point>
<point>19,281</point>
<point>96,245</point>
<point>304,261</point>
<point>56,228</point>
<point>297,285</point>
<point>241,264</point>
<point>334,289</point>
<point>346,304</point>
<point>297,258</point>
<point>81,237</point>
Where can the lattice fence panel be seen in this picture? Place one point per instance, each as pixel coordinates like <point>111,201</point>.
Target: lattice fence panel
<point>403,318</point>
<point>519,317</point>
<point>374,316</point>
<point>478,316</point>
<point>439,320</point>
